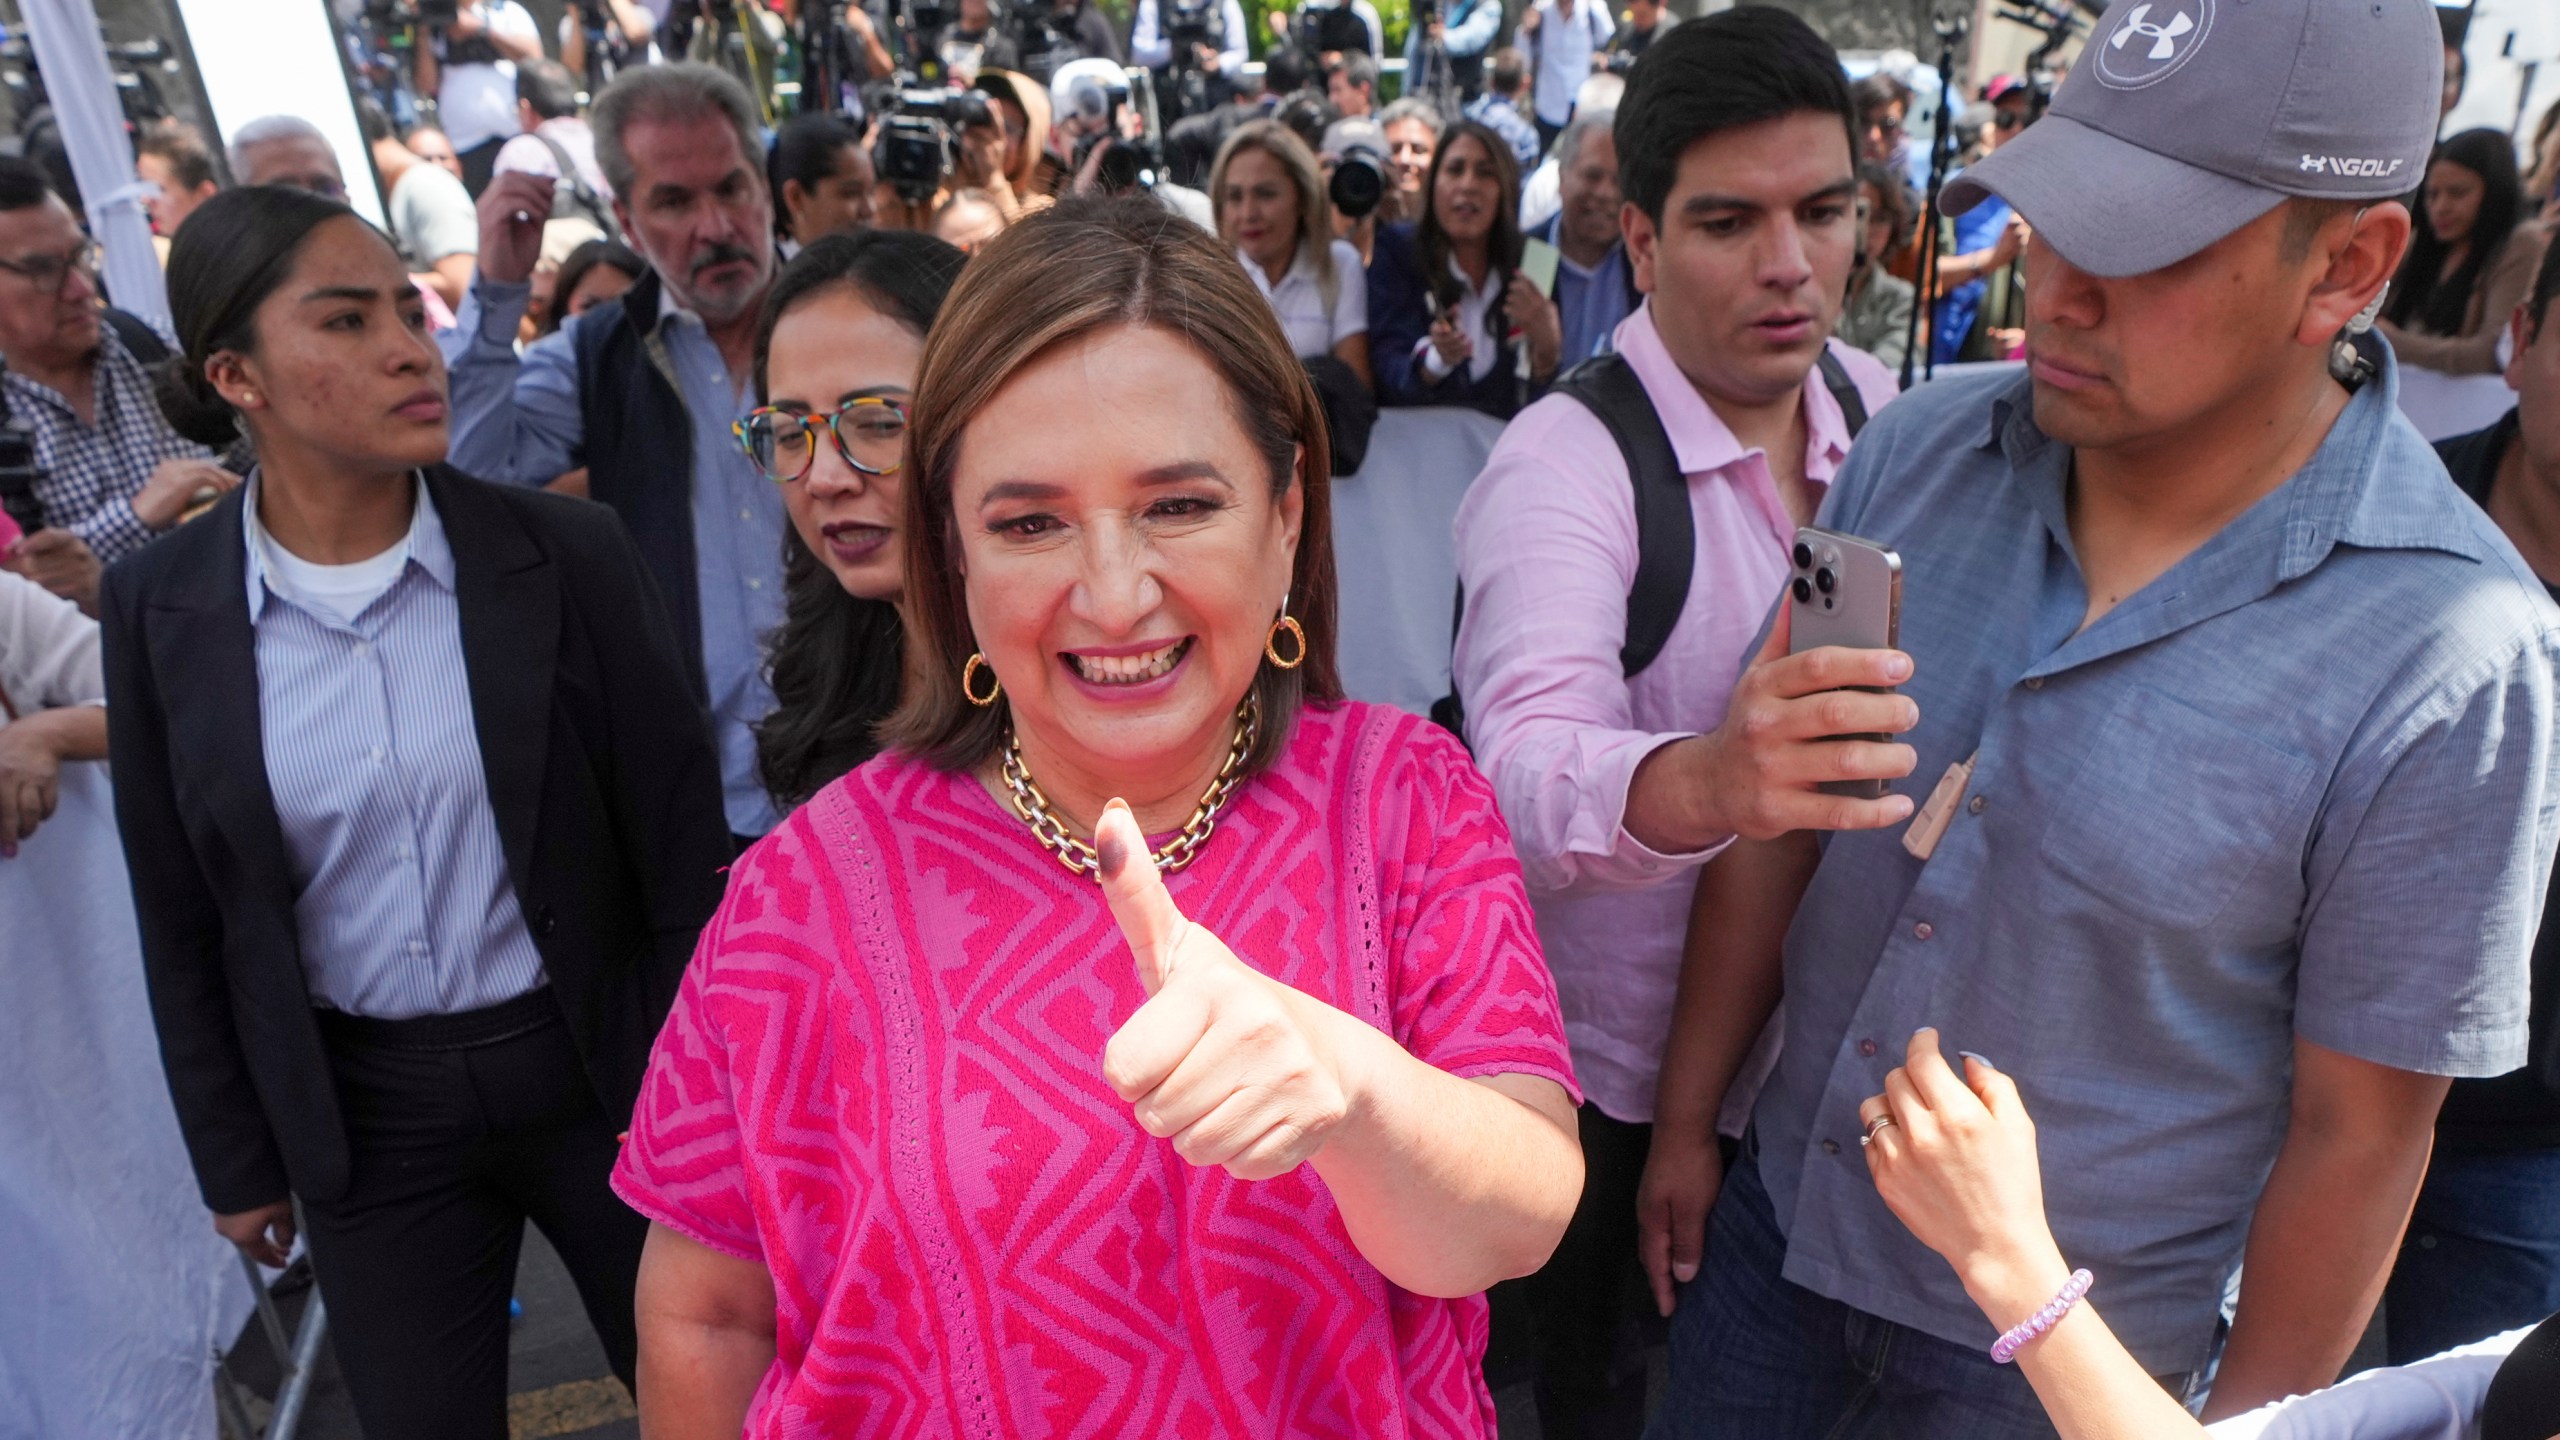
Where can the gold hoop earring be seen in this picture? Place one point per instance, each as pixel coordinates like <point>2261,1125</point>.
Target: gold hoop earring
<point>969,679</point>
<point>1285,625</point>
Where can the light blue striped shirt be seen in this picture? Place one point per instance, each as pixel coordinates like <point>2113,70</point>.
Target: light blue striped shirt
<point>401,898</point>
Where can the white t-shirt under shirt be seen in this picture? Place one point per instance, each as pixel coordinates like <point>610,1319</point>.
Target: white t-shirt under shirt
<point>477,103</point>
<point>1299,300</point>
<point>335,592</point>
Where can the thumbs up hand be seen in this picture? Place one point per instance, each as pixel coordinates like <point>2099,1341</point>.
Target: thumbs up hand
<point>1233,1067</point>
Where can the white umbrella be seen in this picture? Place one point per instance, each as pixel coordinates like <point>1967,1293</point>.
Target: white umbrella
<point>82,87</point>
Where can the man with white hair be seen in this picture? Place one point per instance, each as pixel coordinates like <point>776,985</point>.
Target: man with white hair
<point>1595,287</point>
<point>287,150</point>
<point>642,390</point>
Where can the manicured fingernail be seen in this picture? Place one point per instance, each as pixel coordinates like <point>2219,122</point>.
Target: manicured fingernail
<point>1684,1273</point>
<point>1981,1060</point>
<point>1929,1030</point>
<point>1897,667</point>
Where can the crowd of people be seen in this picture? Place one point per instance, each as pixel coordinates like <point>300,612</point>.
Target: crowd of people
<point>780,722</point>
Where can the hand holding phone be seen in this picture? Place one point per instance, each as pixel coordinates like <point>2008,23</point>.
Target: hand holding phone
<point>1806,740</point>
<point>1845,592</point>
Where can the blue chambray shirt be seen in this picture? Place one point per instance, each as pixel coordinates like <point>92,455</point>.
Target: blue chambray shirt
<point>2302,784</point>
<point>517,421</point>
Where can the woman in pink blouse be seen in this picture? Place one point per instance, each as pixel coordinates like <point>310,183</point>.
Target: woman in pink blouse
<point>1150,1042</point>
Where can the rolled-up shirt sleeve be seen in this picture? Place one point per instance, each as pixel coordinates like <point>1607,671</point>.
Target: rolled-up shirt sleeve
<point>1546,548</point>
<point>2428,873</point>
<point>515,421</point>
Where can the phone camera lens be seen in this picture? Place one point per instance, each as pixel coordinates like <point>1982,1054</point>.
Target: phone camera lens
<point>1825,581</point>
<point>1804,556</point>
<point>1804,592</point>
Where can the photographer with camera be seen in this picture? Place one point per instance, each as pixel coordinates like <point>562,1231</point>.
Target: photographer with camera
<point>624,33</point>
<point>1326,28</point>
<point>642,390</point>
<point>1196,49</point>
<point>1351,83</point>
<point>1357,174</point>
<point>469,65</point>
<point>975,43</point>
<point>96,464</point>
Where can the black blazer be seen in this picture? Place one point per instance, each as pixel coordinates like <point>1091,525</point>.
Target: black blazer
<point>600,768</point>
<point>1400,319</point>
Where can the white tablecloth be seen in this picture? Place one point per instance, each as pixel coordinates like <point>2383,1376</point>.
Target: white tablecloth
<point>1392,552</point>
<point>118,1291</point>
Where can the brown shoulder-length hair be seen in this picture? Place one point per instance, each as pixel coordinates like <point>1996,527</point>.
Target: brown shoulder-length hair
<point>1080,267</point>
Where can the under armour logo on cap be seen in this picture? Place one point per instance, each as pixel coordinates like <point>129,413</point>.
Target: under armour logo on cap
<point>2147,48</point>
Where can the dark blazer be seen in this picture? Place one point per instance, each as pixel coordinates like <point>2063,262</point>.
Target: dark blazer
<point>639,451</point>
<point>1400,319</point>
<point>600,770</point>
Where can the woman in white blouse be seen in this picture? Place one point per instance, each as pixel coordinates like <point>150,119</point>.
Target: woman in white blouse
<point>50,693</point>
<point>1269,199</point>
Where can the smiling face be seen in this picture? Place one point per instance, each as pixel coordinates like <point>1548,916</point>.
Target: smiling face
<point>698,210</point>
<point>1467,192</point>
<point>342,368</point>
<point>1589,189</point>
<point>1409,146</point>
<point>1123,556</point>
<point>1259,209</point>
<point>830,348</point>
<point>37,328</point>
<point>1749,264</point>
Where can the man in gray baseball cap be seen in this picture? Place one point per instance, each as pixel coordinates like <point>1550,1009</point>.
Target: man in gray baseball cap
<point>2235,748</point>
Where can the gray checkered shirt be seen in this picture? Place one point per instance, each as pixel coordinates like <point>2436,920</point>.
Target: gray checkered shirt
<point>87,475</point>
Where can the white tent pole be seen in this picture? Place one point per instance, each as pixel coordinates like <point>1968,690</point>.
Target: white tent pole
<point>82,87</point>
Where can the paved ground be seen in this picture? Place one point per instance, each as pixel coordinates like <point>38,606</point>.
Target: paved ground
<point>561,1385</point>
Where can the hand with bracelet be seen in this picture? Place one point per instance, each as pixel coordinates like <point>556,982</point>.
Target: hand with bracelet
<point>1955,1160</point>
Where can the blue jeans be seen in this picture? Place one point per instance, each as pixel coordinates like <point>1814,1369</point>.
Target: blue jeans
<point>2482,1255</point>
<point>1754,1357</point>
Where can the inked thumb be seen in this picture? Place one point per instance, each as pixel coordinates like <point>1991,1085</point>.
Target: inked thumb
<point>1136,894</point>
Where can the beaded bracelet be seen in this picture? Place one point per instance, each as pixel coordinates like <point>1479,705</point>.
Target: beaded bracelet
<point>2006,1348</point>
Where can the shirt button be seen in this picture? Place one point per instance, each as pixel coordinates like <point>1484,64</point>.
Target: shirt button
<point>754,583</point>
<point>1978,803</point>
<point>1830,1147</point>
<point>746,514</point>
<point>363,649</point>
<point>1922,931</point>
<point>417,947</point>
<point>1867,1048</point>
<point>406,852</point>
<point>2035,682</point>
<point>377,754</point>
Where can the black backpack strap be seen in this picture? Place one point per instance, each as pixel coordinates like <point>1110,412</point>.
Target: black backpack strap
<point>140,340</point>
<point>579,190</point>
<point>1666,537</point>
<point>1835,378</point>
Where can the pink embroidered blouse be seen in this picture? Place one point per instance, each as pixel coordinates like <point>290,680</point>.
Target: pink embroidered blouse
<point>882,1080</point>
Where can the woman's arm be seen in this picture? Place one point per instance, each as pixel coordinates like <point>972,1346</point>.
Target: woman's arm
<point>1446,1185</point>
<point>706,1338</point>
<point>1955,1160</point>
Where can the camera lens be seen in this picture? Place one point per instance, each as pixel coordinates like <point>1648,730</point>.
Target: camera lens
<point>1825,581</point>
<point>1804,592</point>
<point>1804,556</point>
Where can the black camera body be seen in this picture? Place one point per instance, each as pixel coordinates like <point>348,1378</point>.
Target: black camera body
<point>915,147</point>
<point>1191,22</point>
<point>18,476</point>
<point>1359,182</point>
<point>1333,27</point>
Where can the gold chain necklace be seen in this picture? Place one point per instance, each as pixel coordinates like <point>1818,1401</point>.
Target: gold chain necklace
<point>1078,855</point>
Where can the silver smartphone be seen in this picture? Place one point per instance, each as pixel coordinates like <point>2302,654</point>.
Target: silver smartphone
<point>1848,592</point>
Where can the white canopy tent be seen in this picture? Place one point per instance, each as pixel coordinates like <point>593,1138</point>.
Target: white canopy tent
<point>83,90</point>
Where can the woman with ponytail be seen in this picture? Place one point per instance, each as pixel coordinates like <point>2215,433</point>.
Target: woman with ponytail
<point>423,817</point>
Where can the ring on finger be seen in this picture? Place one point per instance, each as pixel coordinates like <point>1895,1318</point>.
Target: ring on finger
<point>1876,1127</point>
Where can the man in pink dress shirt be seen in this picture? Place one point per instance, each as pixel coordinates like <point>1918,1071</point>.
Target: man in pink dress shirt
<point>1737,140</point>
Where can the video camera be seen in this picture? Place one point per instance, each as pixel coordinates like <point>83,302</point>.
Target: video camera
<point>915,148</point>
<point>1188,23</point>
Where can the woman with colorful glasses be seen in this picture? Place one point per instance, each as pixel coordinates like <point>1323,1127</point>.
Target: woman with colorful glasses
<point>835,360</point>
<point>969,1121</point>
